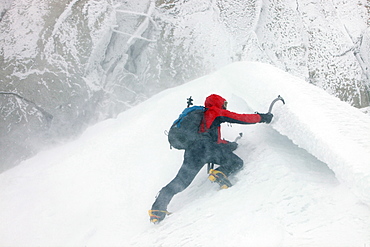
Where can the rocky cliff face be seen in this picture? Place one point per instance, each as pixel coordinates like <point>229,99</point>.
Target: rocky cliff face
<point>69,63</point>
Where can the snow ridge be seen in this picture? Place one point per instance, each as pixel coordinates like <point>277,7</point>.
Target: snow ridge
<point>329,129</point>
<point>96,191</point>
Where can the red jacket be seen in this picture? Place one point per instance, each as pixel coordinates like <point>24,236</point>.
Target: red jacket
<point>216,114</point>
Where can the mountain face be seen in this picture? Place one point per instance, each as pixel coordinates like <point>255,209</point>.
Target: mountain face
<point>69,63</point>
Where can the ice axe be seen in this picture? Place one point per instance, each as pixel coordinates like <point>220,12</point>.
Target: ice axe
<point>212,165</point>
<point>238,137</point>
<point>274,101</point>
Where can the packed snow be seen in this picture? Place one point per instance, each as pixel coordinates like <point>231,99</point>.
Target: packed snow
<point>306,180</point>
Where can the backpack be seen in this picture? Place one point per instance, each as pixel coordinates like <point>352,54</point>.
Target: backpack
<point>185,130</point>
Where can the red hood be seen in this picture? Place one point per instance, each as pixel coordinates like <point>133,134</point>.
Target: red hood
<point>214,100</point>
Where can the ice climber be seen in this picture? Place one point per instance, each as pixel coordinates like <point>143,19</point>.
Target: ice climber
<point>211,148</point>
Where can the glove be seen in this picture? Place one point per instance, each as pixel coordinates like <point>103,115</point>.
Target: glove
<point>231,145</point>
<point>265,118</point>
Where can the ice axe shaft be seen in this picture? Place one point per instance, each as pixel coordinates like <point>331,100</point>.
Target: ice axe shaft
<point>274,101</point>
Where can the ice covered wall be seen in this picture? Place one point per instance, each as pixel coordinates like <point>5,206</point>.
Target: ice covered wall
<point>46,47</point>
<point>319,41</point>
<point>69,63</point>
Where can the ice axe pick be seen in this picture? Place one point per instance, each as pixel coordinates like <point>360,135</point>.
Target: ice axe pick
<point>274,101</point>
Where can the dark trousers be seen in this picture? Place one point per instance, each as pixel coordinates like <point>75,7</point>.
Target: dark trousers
<point>195,158</point>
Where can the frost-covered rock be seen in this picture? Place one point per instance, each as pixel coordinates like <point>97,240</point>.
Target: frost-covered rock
<point>45,49</point>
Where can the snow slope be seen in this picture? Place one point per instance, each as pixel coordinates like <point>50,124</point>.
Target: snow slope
<point>305,181</point>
